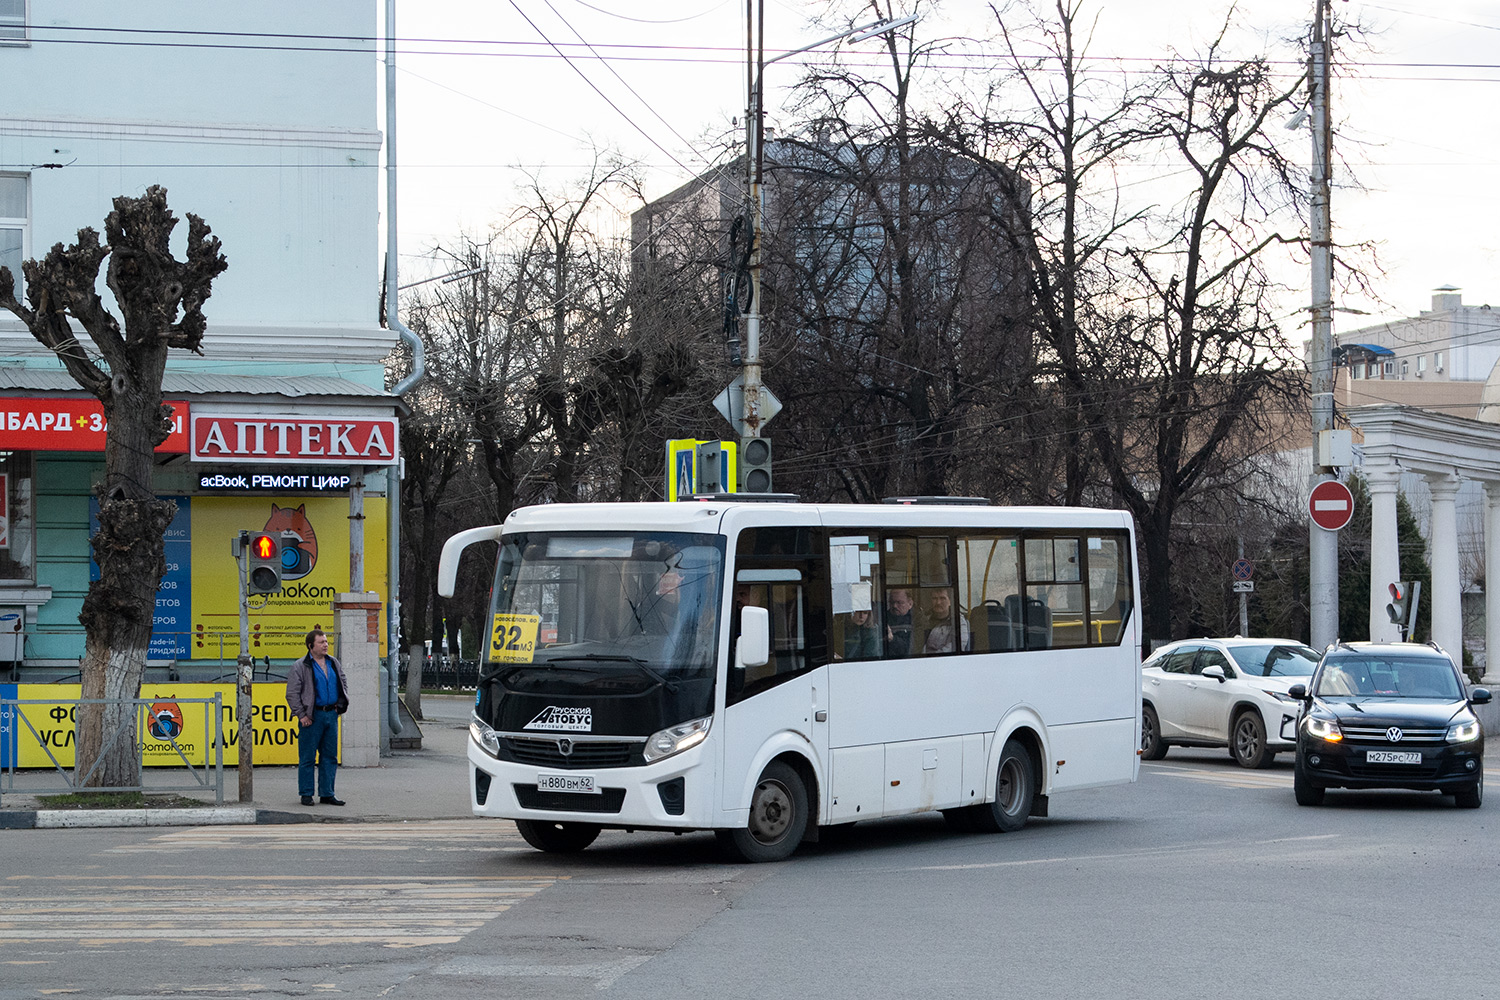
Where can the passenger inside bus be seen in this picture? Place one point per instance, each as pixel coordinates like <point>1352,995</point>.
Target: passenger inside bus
<point>898,623</point>
<point>861,637</point>
<point>937,625</point>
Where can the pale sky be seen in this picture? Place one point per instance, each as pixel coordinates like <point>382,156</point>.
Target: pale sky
<point>484,101</point>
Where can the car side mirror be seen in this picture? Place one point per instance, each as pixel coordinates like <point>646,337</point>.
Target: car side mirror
<point>1479,696</point>
<point>1297,692</point>
<point>754,646</point>
<point>1216,672</point>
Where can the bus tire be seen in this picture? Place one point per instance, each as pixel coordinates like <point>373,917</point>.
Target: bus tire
<point>1015,788</point>
<point>557,838</point>
<point>778,817</point>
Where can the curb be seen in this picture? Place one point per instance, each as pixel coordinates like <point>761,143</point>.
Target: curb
<point>57,819</point>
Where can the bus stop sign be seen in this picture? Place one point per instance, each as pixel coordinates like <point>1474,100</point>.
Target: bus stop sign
<point>1331,505</point>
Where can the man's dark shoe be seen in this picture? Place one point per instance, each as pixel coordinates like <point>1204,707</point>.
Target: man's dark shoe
<point>329,800</point>
<point>307,800</point>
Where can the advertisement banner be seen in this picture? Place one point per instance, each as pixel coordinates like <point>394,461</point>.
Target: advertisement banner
<point>197,604</point>
<point>4,510</point>
<point>38,729</point>
<point>279,621</point>
<point>52,424</point>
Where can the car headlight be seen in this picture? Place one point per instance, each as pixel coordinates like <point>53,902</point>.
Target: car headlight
<point>1279,695</point>
<point>676,739</point>
<point>1324,729</point>
<point>1464,732</point>
<point>483,734</point>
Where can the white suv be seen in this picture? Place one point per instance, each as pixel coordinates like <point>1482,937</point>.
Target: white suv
<point>1223,693</point>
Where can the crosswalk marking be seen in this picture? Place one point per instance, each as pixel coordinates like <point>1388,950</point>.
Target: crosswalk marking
<point>282,910</point>
<point>431,835</point>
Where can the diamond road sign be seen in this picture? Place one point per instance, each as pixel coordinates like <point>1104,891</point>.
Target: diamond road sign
<point>731,405</point>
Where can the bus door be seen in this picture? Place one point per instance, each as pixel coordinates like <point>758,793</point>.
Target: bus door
<point>782,702</point>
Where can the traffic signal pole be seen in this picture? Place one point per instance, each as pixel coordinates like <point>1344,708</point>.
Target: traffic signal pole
<point>244,676</point>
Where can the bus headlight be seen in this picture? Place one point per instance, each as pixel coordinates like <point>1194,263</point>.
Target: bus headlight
<point>676,739</point>
<point>481,732</point>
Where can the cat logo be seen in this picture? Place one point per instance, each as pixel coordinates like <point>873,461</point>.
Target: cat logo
<point>297,560</point>
<point>568,720</point>
<point>166,721</point>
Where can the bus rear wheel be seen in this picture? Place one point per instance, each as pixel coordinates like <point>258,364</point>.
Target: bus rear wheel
<point>1015,788</point>
<point>778,817</point>
<point>557,838</point>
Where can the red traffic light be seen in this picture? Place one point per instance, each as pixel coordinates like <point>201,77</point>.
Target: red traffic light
<point>263,547</point>
<point>1396,592</point>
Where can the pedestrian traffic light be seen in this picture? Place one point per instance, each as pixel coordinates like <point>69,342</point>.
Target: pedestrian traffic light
<point>1400,606</point>
<point>755,465</point>
<point>263,571</point>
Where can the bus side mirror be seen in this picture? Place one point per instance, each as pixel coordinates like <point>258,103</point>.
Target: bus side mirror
<point>754,647</point>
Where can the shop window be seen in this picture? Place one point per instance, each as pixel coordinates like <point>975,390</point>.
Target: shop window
<point>17,529</point>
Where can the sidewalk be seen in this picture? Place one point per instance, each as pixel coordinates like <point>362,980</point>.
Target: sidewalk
<point>430,783</point>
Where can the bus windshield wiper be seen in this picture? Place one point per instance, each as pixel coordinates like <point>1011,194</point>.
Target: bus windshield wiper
<point>639,663</point>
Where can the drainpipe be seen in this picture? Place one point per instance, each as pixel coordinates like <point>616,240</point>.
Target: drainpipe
<point>418,370</point>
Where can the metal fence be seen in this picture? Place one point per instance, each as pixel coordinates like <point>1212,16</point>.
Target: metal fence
<point>15,720</point>
<point>445,674</point>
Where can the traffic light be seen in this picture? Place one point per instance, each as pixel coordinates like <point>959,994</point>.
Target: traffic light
<point>1400,607</point>
<point>755,465</point>
<point>263,572</point>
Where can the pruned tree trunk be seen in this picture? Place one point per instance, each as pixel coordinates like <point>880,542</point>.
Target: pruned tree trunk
<point>161,299</point>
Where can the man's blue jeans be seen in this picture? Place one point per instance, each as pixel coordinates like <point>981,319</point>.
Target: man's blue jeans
<point>320,740</point>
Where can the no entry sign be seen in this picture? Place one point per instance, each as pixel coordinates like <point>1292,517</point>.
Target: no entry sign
<point>1331,505</point>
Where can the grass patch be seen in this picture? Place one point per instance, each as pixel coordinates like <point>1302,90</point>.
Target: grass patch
<point>117,800</point>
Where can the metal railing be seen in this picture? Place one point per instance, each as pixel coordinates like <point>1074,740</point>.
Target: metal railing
<point>14,720</point>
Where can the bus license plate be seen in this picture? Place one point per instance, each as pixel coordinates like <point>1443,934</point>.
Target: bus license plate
<point>1392,757</point>
<point>580,784</point>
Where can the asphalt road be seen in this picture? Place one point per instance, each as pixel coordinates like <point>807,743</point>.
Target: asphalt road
<point>1201,880</point>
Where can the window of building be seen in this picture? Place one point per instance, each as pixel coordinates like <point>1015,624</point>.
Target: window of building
<point>1405,368</point>
<point>1437,361</point>
<point>1421,364</point>
<point>1389,368</point>
<point>13,21</point>
<point>17,527</point>
<point>13,225</point>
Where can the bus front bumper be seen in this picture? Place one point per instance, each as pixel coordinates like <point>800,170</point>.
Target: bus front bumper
<point>670,794</point>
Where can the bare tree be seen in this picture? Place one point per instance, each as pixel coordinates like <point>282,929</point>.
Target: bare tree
<point>1155,326</point>
<point>161,300</point>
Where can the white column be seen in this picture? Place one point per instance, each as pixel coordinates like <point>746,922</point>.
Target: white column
<point>1385,558</point>
<point>1492,583</point>
<point>1446,600</point>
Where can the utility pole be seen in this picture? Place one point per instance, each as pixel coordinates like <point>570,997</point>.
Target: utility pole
<point>1323,546</point>
<point>758,405</point>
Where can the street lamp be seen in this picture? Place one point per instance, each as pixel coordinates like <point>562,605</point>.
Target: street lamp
<point>758,405</point>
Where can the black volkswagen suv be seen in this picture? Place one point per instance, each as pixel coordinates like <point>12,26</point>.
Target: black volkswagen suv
<point>1389,715</point>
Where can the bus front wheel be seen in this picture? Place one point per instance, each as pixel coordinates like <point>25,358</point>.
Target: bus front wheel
<point>557,838</point>
<point>778,817</point>
<point>1015,788</point>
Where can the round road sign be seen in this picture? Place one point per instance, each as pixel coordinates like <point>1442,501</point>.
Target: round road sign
<point>1331,505</point>
<point>1243,569</point>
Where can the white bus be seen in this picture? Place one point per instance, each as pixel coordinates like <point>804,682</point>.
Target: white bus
<point>769,670</point>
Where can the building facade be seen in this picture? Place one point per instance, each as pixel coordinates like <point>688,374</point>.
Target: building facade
<point>284,421</point>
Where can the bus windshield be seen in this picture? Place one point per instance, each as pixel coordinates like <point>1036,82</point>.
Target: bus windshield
<point>635,606</point>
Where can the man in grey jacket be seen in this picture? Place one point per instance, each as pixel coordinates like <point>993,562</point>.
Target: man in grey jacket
<point>318,694</point>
